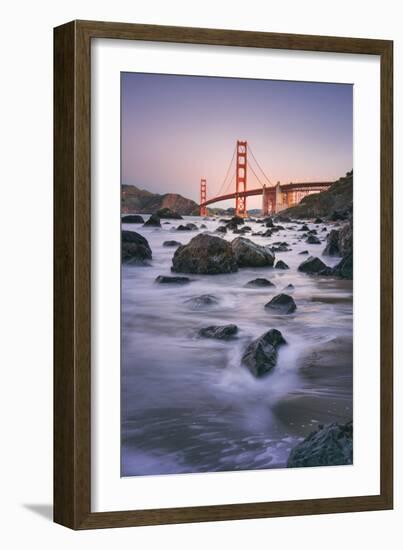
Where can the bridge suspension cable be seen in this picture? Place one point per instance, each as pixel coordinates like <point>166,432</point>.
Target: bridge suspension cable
<point>260,168</point>
<point>220,191</point>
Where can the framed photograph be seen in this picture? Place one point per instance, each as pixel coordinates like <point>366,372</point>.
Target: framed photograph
<point>222,274</point>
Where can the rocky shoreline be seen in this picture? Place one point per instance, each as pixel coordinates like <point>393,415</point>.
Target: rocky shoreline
<point>216,253</point>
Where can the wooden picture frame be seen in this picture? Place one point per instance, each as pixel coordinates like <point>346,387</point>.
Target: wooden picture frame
<point>72,270</point>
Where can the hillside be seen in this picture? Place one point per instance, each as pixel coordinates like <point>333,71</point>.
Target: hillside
<point>139,201</point>
<point>336,202</point>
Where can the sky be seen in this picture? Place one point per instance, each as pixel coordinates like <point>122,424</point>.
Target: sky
<point>177,129</point>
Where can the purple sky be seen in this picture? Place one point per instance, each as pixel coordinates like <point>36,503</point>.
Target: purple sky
<point>177,129</point>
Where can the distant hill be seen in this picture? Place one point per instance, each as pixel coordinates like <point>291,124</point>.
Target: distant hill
<point>139,201</point>
<point>337,201</point>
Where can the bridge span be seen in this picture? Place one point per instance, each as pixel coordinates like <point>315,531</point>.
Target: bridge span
<point>274,197</point>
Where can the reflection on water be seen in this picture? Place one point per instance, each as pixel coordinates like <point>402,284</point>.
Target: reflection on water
<point>187,403</point>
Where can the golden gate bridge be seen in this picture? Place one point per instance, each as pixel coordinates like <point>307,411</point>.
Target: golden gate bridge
<point>275,197</point>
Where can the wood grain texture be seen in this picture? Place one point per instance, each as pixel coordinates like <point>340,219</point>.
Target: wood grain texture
<point>72,274</point>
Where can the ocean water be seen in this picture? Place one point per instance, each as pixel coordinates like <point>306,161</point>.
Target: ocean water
<point>187,403</point>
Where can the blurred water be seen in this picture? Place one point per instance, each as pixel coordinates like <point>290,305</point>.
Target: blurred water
<point>187,403</point>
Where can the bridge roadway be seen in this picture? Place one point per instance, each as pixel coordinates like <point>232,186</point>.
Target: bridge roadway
<point>285,188</point>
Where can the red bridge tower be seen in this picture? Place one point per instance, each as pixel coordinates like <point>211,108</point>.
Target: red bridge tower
<point>203,197</point>
<point>241,177</point>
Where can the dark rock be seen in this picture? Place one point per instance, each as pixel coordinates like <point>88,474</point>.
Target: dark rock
<point>283,219</point>
<point>314,265</point>
<point>260,356</point>
<point>267,233</point>
<point>283,247</point>
<point>332,246</point>
<point>282,303</point>
<point>344,268</point>
<point>318,220</point>
<point>221,229</point>
<point>203,226</point>
<point>165,279</point>
<point>135,249</point>
<point>304,228</point>
<point>205,254</point>
<point>281,265</point>
<point>132,218</point>
<point>259,283</point>
<point>171,243</point>
<point>330,445</point>
<point>312,240</point>
<point>290,287</point>
<point>220,333</point>
<point>269,222</point>
<point>338,216</point>
<point>237,220</point>
<point>324,228</point>
<point>187,227</point>
<point>304,252</point>
<point>153,221</point>
<point>168,214</point>
<point>200,302</point>
<point>249,254</point>
<point>312,232</point>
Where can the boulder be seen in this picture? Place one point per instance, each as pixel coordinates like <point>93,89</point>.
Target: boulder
<point>153,221</point>
<point>344,268</point>
<point>171,243</point>
<point>267,233</point>
<point>249,254</point>
<point>281,265</point>
<point>304,227</point>
<point>169,214</point>
<point>330,445</point>
<point>312,239</point>
<point>259,283</point>
<point>224,332</point>
<point>202,301</point>
<point>260,357</point>
<point>187,227</point>
<point>318,220</point>
<point>166,279</point>
<point>269,222</point>
<point>135,249</point>
<point>332,246</point>
<point>282,303</point>
<point>314,265</point>
<point>221,229</point>
<point>205,254</point>
<point>132,218</point>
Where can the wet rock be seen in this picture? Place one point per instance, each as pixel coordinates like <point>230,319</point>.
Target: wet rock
<point>314,265</point>
<point>312,232</point>
<point>259,283</point>
<point>304,252</point>
<point>135,249</point>
<point>169,214</point>
<point>203,226</point>
<point>153,221</point>
<point>234,222</point>
<point>221,229</point>
<point>205,254</point>
<point>318,220</point>
<point>224,332</point>
<point>166,279</point>
<point>133,218</point>
<point>338,216</point>
<point>344,268</point>
<point>312,239</point>
<point>171,243</point>
<point>281,265</point>
<point>304,227</point>
<point>282,303</point>
<point>289,287</point>
<point>332,246</point>
<point>283,219</point>
<point>260,356</point>
<point>187,227</point>
<point>203,301</point>
<point>330,445</point>
<point>282,247</point>
<point>269,222</point>
<point>249,254</point>
<point>267,233</point>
